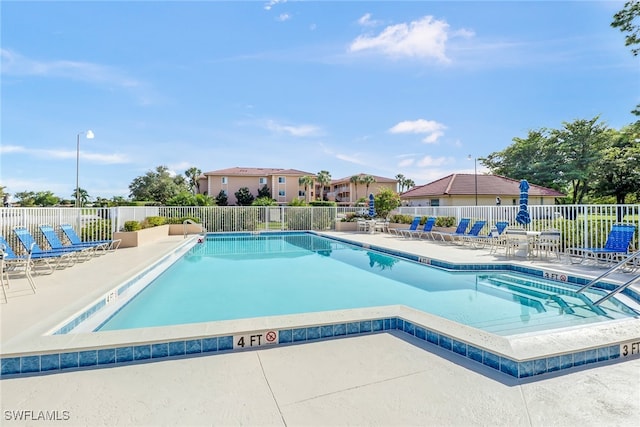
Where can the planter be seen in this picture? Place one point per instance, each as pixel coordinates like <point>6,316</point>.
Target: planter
<point>178,229</point>
<point>346,226</point>
<point>132,239</point>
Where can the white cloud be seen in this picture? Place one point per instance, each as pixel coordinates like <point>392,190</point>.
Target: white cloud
<point>433,129</point>
<point>351,159</point>
<point>425,38</point>
<point>404,163</point>
<point>283,17</point>
<point>300,130</point>
<point>272,3</point>
<point>67,154</point>
<point>366,21</point>
<point>429,161</point>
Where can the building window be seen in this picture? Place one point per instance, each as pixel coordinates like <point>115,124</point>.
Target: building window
<point>281,193</point>
<point>263,181</point>
<point>281,180</point>
<point>434,202</point>
<point>224,179</point>
<point>301,193</point>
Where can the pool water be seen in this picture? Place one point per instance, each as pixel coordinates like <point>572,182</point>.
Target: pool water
<point>237,277</point>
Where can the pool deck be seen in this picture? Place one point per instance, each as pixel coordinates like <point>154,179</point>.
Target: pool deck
<point>380,379</point>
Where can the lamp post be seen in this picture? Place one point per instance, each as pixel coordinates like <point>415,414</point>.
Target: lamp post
<point>475,174</point>
<point>89,135</point>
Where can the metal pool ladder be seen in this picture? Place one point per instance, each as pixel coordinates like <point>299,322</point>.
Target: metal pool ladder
<point>189,221</point>
<point>608,272</point>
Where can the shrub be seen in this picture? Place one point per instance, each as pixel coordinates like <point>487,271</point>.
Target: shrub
<point>445,221</point>
<point>154,221</point>
<point>132,226</point>
<point>321,203</point>
<point>181,219</point>
<point>402,219</point>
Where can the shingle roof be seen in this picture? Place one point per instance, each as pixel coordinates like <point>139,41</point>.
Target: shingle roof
<point>240,171</point>
<point>465,185</point>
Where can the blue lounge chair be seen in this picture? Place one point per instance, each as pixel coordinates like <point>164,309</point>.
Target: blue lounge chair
<point>473,235</point>
<point>56,244</point>
<point>70,233</point>
<point>418,232</point>
<point>31,246</point>
<point>616,246</point>
<point>10,262</point>
<point>460,230</point>
<point>412,227</point>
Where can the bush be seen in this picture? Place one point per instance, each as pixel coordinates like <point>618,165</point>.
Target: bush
<point>154,221</point>
<point>445,221</point>
<point>132,226</point>
<point>181,219</point>
<point>321,203</point>
<point>401,219</point>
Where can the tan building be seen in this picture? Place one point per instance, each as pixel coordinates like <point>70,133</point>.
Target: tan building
<point>345,192</point>
<point>480,190</point>
<point>283,183</point>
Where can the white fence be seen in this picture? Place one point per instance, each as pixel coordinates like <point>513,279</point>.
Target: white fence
<point>580,225</point>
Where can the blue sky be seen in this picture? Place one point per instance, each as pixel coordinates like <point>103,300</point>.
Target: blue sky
<point>380,87</point>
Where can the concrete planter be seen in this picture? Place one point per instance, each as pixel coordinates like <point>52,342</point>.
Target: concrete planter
<point>131,239</point>
<point>346,226</point>
<point>178,229</point>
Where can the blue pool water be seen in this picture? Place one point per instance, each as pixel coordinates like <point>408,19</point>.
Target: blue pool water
<point>236,277</point>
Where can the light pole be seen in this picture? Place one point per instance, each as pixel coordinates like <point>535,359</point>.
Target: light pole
<point>89,135</point>
<point>475,174</point>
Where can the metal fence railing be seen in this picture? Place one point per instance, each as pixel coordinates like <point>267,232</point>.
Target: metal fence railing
<point>580,225</point>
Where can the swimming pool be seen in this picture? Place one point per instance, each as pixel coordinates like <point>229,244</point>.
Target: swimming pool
<point>248,276</point>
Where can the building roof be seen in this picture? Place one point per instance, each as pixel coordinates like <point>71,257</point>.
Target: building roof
<point>465,184</point>
<point>377,178</point>
<point>242,171</point>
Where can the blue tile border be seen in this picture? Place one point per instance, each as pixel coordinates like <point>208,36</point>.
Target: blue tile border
<point>126,354</point>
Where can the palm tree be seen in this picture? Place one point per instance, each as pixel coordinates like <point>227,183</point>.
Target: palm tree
<point>192,174</point>
<point>401,182</point>
<point>306,181</point>
<point>368,180</point>
<point>409,183</point>
<point>355,180</point>
<point>324,178</point>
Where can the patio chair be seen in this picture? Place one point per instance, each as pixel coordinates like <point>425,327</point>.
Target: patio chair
<point>413,226</point>
<point>473,236</point>
<point>418,232</point>
<point>498,238</point>
<point>12,263</point>
<point>72,236</point>
<point>548,243</point>
<point>616,246</point>
<point>56,244</point>
<point>30,246</point>
<point>460,230</point>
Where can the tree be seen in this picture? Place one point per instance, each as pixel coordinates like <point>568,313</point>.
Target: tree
<point>82,194</point>
<point>264,192</point>
<point>409,183</point>
<point>306,181</point>
<point>355,180</point>
<point>626,21</point>
<point>244,197</point>
<point>368,180</point>
<point>192,175</point>
<point>264,201</point>
<point>324,178</point>
<point>617,173</point>
<point>158,185</point>
<point>222,199</point>
<point>385,201</point>
<point>46,198</point>
<point>401,182</point>
<point>26,198</point>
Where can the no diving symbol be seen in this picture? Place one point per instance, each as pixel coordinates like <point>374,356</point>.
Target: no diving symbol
<point>271,336</point>
<point>563,278</point>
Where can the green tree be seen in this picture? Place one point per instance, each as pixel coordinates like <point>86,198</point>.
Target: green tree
<point>26,198</point>
<point>355,180</point>
<point>368,180</point>
<point>244,197</point>
<point>82,194</point>
<point>617,172</point>
<point>324,178</point>
<point>298,202</point>
<point>401,182</point>
<point>264,201</point>
<point>306,182</point>
<point>192,175</point>
<point>409,183</point>
<point>46,198</point>
<point>627,21</point>
<point>158,185</point>
<point>385,201</point>
<point>264,192</point>
<point>222,199</point>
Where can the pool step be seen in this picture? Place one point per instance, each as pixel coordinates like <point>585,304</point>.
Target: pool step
<point>546,298</point>
<point>557,289</point>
